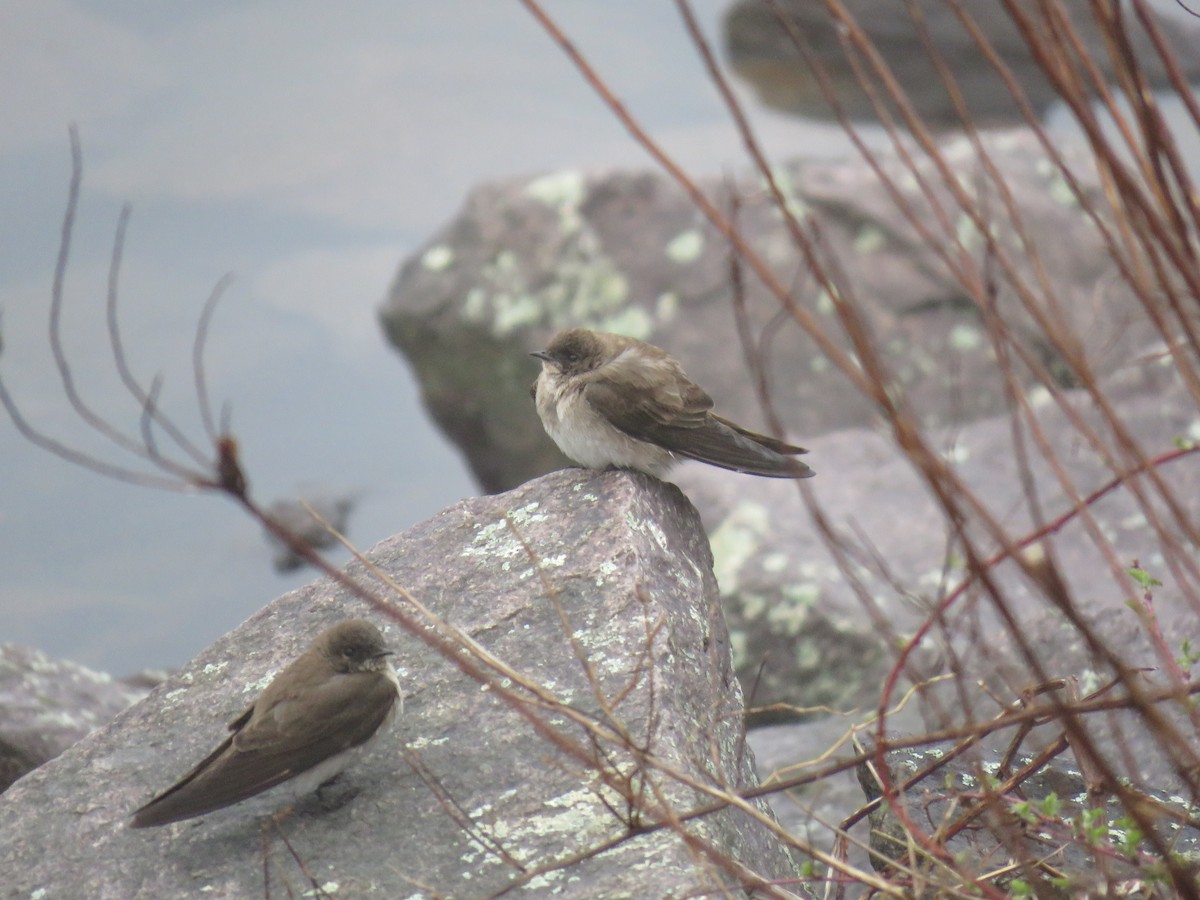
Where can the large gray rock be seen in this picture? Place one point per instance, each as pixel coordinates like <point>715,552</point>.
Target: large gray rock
<point>624,589</point>
<point>48,704</point>
<point>837,631</point>
<point>762,51</point>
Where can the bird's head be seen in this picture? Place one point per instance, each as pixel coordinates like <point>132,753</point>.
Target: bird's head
<point>580,350</point>
<point>355,646</point>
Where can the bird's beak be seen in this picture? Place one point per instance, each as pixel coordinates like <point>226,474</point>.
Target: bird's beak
<point>542,355</point>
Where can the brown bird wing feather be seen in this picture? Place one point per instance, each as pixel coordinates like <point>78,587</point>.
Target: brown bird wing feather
<point>286,738</point>
<point>678,417</point>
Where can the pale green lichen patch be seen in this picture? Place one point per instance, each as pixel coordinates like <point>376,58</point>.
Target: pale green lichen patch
<point>931,578</point>
<point>739,643</point>
<point>633,321</point>
<point>819,571</point>
<point>686,246</point>
<point>496,540</point>
<point>213,668</point>
<point>735,541</point>
<point>965,337</point>
<point>1061,191</point>
<point>420,743</point>
<point>648,527</point>
<point>1038,396</point>
<point>808,656</point>
<point>586,288</point>
<point>957,453</point>
<point>966,230</point>
<point>752,605</point>
<point>789,614</point>
<point>587,496</point>
<point>666,307</point>
<point>475,305</point>
<point>514,311</point>
<point>527,514</point>
<point>437,258</point>
<point>793,203</point>
<point>773,563</point>
<point>573,819</point>
<point>259,686</point>
<point>870,239</point>
<point>1134,522</point>
<point>558,189</point>
<point>605,570</point>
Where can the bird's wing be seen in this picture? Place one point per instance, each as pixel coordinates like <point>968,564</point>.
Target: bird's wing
<point>278,741</point>
<point>654,397</point>
<point>764,439</point>
<point>676,414</point>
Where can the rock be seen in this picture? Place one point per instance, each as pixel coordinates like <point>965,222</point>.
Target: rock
<point>761,50</point>
<point>47,704</point>
<point>623,564</point>
<point>806,634</point>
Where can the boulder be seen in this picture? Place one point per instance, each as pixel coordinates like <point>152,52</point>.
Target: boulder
<point>617,621</point>
<point>48,704</point>
<point>762,52</point>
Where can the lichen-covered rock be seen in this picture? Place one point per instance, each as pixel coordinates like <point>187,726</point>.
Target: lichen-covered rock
<point>47,704</point>
<point>806,634</point>
<point>462,797</point>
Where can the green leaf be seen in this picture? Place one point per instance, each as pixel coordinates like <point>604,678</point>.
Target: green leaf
<point>1050,806</point>
<point>1143,578</point>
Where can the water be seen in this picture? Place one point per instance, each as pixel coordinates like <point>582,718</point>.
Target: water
<point>306,148</point>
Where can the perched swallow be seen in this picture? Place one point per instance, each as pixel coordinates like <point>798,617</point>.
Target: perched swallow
<point>609,400</point>
<point>308,725</point>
